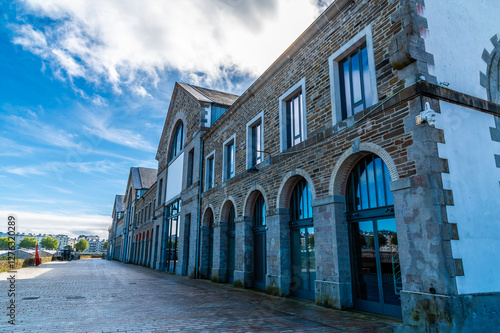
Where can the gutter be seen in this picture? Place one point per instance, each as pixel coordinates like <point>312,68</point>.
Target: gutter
<point>198,226</point>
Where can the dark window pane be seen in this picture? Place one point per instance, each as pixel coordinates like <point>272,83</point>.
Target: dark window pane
<point>347,89</point>
<point>370,173</point>
<point>366,79</point>
<point>379,180</point>
<point>387,175</point>
<point>300,201</point>
<point>363,184</point>
<point>356,78</point>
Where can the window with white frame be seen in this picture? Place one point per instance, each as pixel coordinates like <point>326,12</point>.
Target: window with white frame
<point>177,142</point>
<point>209,171</point>
<point>229,158</point>
<point>255,140</point>
<point>353,77</point>
<point>293,122</point>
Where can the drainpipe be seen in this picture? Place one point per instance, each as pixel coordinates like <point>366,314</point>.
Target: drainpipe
<point>126,236</point>
<point>198,232</point>
<point>164,240</point>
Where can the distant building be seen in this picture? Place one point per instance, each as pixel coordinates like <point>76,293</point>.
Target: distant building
<point>61,239</point>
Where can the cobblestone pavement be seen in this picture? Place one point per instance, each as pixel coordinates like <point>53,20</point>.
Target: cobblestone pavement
<point>95,295</point>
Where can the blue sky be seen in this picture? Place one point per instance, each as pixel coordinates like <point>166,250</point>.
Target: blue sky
<point>85,87</point>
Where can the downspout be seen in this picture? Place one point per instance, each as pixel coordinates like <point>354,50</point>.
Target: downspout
<point>198,240</point>
<point>126,236</point>
<point>164,240</point>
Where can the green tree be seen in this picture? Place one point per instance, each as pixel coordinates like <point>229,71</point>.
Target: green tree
<point>69,247</point>
<point>105,245</point>
<point>6,243</point>
<point>49,243</point>
<point>27,243</point>
<point>382,240</point>
<point>394,239</point>
<point>82,245</point>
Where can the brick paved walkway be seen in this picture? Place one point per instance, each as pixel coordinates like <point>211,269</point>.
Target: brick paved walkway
<point>96,295</point>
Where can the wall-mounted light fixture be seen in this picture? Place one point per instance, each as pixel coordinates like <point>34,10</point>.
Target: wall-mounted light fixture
<point>253,168</point>
<point>428,116</point>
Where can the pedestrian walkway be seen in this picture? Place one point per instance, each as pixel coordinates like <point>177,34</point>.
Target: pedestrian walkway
<point>96,295</point>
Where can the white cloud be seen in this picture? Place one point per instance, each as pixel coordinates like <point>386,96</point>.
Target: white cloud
<point>60,169</point>
<point>130,42</point>
<point>10,148</point>
<point>99,126</point>
<point>45,223</point>
<point>45,133</point>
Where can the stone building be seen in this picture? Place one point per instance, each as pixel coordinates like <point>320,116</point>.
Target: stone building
<point>114,240</point>
<point>139,182</point>
<point>360,170</point>
<point>143,248</point>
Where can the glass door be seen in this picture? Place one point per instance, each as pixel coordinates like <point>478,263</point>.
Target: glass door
<point>375,266</point>
<point>230,258</point>
<point>303,262</point>
<point>210,249</point>
<point>259,238</point>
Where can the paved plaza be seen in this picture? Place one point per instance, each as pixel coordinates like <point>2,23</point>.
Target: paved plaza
<point>96,295</point>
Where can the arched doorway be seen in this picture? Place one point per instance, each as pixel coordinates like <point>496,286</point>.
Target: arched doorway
<point>302,242</point>
<point>259,243</point>
<point>230,244</point>
<point>210,251</point>
<point>373,238</point>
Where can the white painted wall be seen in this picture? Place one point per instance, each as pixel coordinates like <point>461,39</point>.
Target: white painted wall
<point>174,177</point>
<point>475,182</point>
<point>459,31</point>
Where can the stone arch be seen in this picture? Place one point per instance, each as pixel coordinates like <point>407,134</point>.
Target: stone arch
<point>224,210</point>
<point>491,80</point>
<point>252,195</point>
<point>289,180</point>
<point>209,209</point>
<point>350,157</point>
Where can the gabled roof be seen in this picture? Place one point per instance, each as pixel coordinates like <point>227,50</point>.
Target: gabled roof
<point>148,177</point>
<point>119,203</point>
<point>143,178</point>
<point>209,95</point>
<point>202,95</point>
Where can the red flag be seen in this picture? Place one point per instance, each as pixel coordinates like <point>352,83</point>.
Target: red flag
<point>37,257</point>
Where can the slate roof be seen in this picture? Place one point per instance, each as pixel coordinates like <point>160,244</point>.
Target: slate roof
<point>209,95</point>
<point>148,176</point>
<point>119,203</point>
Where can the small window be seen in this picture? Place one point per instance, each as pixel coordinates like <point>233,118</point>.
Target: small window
<point>353,77</point>
<point>189,179</point>
<point>355,82</point>
<point>216,112</point>
<point>178,142</point>
<point>229,159</point>
<point>293,121</point>
<point>210,172</point>
<point>257,143</point>
<point>160,190</point>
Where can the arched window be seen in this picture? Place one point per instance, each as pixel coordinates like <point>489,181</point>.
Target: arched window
<point>368,185</point>
<point>300,202</point>
<point>178,141</point>
<point>230,219</point>
<point>375,266</point>
<point>302,241</point>
<point>259,213</point>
